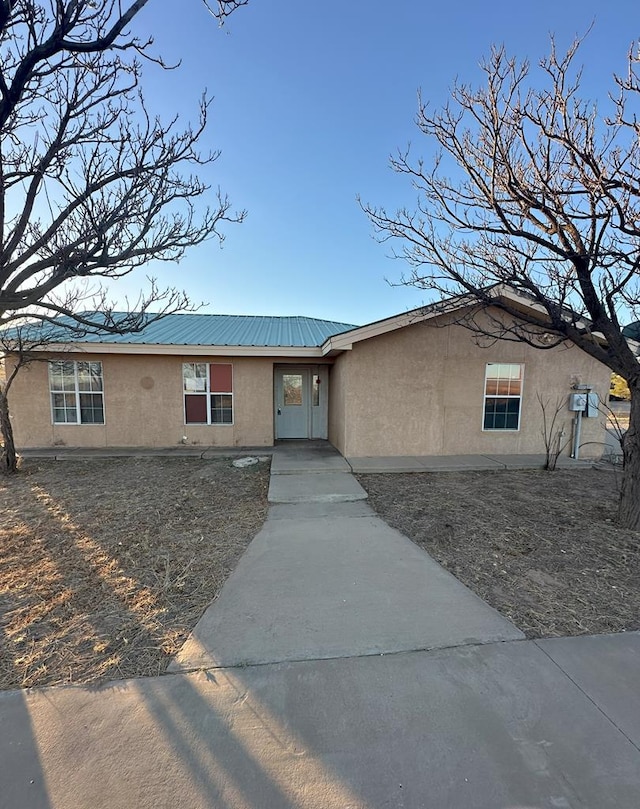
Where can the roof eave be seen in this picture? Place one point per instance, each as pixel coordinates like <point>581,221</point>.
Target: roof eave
<point>344,341</point>
<point>181,350</point>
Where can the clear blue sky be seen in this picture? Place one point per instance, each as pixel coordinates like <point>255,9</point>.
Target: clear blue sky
<point>310,100</point>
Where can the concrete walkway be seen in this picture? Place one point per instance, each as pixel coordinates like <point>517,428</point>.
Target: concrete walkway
<point>325,577</point>
<point>314,455</point>
<point>340,668</point>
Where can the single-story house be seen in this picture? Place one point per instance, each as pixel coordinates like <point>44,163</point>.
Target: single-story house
<point>414,384</point>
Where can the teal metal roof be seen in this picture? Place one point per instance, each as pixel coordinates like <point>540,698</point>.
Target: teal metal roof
<point>632,331</point>
<point>216,330</point>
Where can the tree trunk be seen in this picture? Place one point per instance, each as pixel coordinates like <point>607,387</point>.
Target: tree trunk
<point>8,458</point>
<point>629,507</point>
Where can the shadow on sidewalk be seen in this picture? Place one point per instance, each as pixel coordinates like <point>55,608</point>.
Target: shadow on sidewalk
<point>22,779</point>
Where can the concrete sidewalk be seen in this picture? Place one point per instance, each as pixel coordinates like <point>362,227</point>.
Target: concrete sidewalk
<point>499,726</point>
<point>314,456</point>
<point>340,668</point>
<point>459,463</point>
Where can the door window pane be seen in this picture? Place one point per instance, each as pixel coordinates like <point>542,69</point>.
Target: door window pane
<point>292,387</point>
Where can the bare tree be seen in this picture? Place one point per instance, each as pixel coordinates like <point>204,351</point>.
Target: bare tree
<point>92,185</point>
<point>555,434</point>
<point>534,192</point>
<point>21,349</point>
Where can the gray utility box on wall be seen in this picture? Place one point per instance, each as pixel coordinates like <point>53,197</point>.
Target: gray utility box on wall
<point>578,401</point>
<point>586,403</point>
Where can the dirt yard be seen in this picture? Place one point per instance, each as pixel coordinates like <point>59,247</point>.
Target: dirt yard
<point>106,565</point>
<point>541,547</point>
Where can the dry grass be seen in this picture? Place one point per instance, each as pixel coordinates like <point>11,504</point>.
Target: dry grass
<point>541,547</point>
<point>106,565</point>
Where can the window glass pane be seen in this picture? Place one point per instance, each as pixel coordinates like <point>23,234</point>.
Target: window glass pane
<point>511,421</point>
<point>194,375</point>
<point>64,400</point>
<point>91,408</point>
<point>501,414</point>
<point>221,409</point>
<point>491,387</point>
<point>64,408</point>
<point>315,392</point>
<point>292,387</point>
<point>188,375</point>
<point>95,376</point>
<point>490,414</point>
<point>84,376</point>
<point>55,377</point>
<point>69,377</point>
<point>62,376</point>
<point>90,376</point>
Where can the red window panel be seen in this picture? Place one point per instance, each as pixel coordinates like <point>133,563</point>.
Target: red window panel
<point>221,378</point>
<point>195,409</point>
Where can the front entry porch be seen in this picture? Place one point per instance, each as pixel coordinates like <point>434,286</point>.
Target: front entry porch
<point>301,402</point>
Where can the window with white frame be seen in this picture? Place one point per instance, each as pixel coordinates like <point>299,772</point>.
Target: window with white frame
<point>502,396</point>
<point>77,395</point>
<point>208,392</point>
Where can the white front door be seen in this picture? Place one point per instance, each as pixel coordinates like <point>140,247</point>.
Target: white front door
<point>293,403</point>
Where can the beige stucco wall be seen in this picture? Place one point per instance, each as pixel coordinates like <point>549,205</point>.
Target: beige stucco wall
<point>144,405</point>
<point>337,401</point>
<point>414,391</point>
<point>420,391</point>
